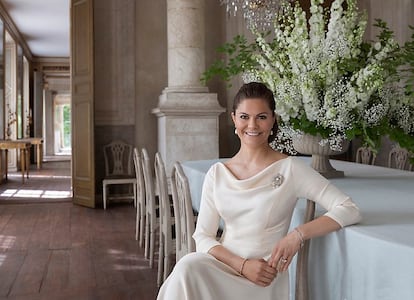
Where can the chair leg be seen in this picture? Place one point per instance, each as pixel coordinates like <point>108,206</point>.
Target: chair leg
<point>167,264</point>
<point>137,222</point>
<point>152,247</point>
<point>135,194</point>
<point>141,228</point>
<point>160,272</point>
<point>104,196</point>
<point>147,236</point>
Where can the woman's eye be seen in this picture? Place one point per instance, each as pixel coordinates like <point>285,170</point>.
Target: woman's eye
<point>262,117</point>
<point>244,117</point>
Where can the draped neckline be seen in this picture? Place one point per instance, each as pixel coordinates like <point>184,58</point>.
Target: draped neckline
<point>227,170</point>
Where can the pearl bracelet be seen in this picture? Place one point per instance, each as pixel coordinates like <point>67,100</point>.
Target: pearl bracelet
<point>302,240</point>
<point>241,267</point>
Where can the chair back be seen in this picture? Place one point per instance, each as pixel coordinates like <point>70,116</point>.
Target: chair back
<point>398,158</point>
<point>183,212</point>
<point>164,200</point>
<point>140,177</point>
<point>166,246</point>
<point>140,195</point>
<point>365,155</point>
<point>118,159</point>
<point>150,204</point>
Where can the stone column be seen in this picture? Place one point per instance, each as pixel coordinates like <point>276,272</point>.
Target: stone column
<point>187,113</point>
<point>186,58</point>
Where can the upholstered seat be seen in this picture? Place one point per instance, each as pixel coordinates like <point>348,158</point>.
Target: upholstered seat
<point>118,171</point>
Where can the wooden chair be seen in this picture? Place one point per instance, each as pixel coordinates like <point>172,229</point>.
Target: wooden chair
<point>183,212</point>
<point>140,215</point>
<point>118,170</point>
<point>399,158</point>
<point>302,285</point>
<point>151,222</point>
<point>365,155</point>
<point>166,246</point>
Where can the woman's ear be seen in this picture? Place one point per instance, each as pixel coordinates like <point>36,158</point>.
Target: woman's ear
<point>233,117</point>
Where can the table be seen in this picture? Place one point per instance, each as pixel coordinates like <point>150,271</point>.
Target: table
<point>38,142</point>
<point>371,260</point>
<point>24,148</point>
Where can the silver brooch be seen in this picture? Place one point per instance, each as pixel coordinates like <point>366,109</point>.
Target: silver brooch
<point>277,181</point>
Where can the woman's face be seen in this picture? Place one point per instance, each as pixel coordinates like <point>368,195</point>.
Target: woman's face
<point>253,120</point>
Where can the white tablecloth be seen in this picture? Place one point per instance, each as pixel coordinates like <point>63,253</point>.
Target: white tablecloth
<point>371,260</point>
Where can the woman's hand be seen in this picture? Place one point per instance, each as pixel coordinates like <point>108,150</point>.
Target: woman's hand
<point>259,272</point>
<point>284,251</point>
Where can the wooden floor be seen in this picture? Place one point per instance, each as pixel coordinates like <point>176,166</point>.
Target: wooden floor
<point>59,250</point>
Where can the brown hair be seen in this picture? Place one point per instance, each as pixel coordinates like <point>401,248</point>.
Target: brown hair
<point>257,90</point>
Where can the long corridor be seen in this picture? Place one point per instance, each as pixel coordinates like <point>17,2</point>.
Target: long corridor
<point>57,250</point>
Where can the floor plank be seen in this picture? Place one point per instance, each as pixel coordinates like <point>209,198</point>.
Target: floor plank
<point>57,273</point>
<point>42,229</point>
<point>60,237</point>
<point>81,225</point>
<point>30,276</point>
<point>10,264</point>
<point>109,270</point>
<point>5,217</point>
<point>81,271</point>
<point>20,227</point>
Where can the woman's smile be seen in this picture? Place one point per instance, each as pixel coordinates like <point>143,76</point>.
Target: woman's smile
<point>253,133</point>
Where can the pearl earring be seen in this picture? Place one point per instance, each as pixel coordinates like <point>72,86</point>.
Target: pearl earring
<point>235,131</point>
<point>271,132</point>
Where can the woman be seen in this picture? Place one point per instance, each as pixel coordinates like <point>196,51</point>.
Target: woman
<point>254,193</point>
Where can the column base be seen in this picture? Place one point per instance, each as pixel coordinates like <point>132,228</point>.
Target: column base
<point>188,126</point>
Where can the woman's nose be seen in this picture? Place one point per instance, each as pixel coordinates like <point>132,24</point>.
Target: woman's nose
<point>252,123</point>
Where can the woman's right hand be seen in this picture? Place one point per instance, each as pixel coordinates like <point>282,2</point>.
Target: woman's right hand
<point>259,272</point>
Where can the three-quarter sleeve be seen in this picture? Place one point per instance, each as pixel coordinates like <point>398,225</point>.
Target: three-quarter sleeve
<point>208,217</point>
<point>313,186</point>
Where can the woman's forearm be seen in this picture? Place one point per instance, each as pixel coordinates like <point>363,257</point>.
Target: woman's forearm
<point>318,227</point>
<point>286,248</point>
<point>226,256</point>
<point>256,270</point>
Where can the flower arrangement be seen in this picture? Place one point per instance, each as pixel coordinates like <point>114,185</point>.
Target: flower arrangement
<point>326,79</point>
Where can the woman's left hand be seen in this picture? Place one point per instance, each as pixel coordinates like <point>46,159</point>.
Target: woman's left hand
<point>284,251</point>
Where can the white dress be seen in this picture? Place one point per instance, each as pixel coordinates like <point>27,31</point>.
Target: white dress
<point>256,212</point>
